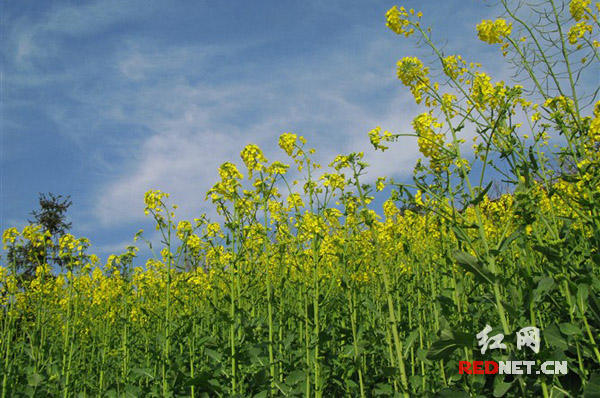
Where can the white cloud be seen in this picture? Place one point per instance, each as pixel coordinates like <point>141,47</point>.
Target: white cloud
<point>195,128</point>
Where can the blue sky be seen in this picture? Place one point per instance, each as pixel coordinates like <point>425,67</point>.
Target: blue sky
<point>103,100</point>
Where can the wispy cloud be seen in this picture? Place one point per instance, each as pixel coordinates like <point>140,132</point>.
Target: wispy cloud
<point>193,127</point>
<point>159,103</point>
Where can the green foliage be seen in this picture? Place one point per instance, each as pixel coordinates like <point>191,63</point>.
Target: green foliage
<point>316,293</point>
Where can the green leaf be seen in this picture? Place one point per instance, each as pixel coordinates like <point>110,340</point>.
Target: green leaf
<point>410,340</point>
<point>569,329</point>
<point>570,177</point>
<point>213,354</point>
<point>463,339</point>
<point>442,349</point>
<point>34,379</point>
<point>422,355</point>
<point>508,240</point>
<point>545,285</point>
<point>351,384</point>
<point>295,377</point>
<point>534,163</point>
<point>460,234</point>
<point>594,306</point>
<point>143,372</point>
<point>481,195</point>
<point>472,264</point>
<point>448,393</point>
<point>416,381</point>
<point>549,252</point>
<point>132,391</point>
<point>348,350</point>
<point>593,388</point>
<point>500,386</point>
<point>197,381</point>
<point>554,338</point>
<point>582,297</point>
<point>383,389</point>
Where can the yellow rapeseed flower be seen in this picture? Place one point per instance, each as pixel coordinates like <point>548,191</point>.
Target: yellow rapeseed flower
<point>287,142</point>
<point>577,31</point>
<point>154,200</point>
<point>414,75</point>
<point>295,201</point>
<point>579,9</point>
<point>9,236</point>
<point>411,71</point>
<point>253,158</point>
<point>429,142</point>
<point>397,20</point>
<point>493,32</point>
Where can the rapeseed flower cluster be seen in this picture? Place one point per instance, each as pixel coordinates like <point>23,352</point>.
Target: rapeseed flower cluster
<point>484,95</point>
<point>430,142</point>
<point>376,137</point>
<point>288,142</point>
<point>578,30</point>
<point>253,158</point>
<point>152,199</point>
<point>454,66</point>
<point>580,9</point>
<point>414,75</point>
<point>585,22</point>
<point>594,131</point>
<point>493,32</point>
<point>398,20</point>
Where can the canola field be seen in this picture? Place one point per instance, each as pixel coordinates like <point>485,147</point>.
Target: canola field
<point>315,282</point>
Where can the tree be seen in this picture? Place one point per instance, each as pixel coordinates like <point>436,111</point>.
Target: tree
<point>51,218</point>
<point>51,215</point>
